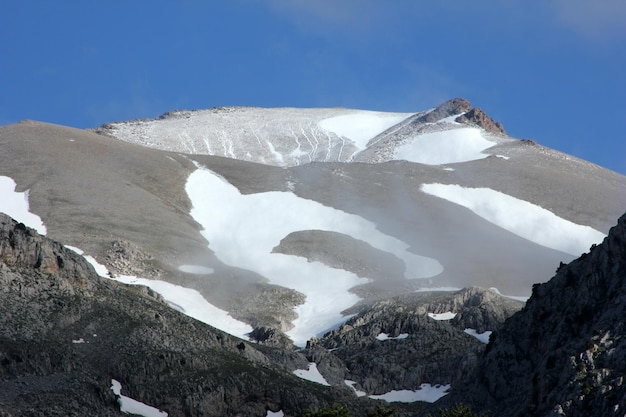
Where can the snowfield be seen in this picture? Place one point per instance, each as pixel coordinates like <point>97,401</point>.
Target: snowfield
<point>483,337</point>
<point>446,147</point>
<point>279,136</point>
<point>311,374</point>
<point>363,126</point>
<point>520,217</point>
<point>426,392</point>
<point>242,230</point>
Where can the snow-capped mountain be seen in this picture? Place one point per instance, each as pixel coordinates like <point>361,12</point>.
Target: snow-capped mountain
<point>278,225</point>
<point>286,218</point>
<point>288,137</point>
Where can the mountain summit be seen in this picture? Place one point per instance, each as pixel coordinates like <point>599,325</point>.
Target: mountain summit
<point>289,137</point>
<point>323,229</point>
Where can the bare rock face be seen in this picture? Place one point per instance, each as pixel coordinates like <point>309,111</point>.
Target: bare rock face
<point>395,345</point>
<point>126,258</point>
<point>449,108</point>
<point>478,117</point>
<point>468,115</point>
<point>565,352</point>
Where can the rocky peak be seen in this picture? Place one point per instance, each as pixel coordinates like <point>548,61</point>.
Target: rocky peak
<point>466,114</point>
<point>449,108</point>
<point>564,353</point>
<point>478,117</point>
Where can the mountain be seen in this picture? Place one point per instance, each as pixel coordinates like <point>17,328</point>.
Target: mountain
<point>564,353</point>
<point>75,343</point>
<point>326,228</point>
<point>66,334</point>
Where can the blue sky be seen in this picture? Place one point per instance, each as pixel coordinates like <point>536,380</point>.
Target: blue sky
<point>551,70</point>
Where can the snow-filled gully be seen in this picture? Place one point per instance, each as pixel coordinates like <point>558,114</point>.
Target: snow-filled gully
<point>242,230</point>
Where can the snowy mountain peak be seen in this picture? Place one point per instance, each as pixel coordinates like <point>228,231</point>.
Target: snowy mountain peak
<point>290,136</point>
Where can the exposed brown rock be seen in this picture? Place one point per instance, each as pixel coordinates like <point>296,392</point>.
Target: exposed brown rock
<point>478,117</point>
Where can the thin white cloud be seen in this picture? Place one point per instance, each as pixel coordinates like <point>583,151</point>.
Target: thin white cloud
<point>345,12</point>
<point>600,19</point>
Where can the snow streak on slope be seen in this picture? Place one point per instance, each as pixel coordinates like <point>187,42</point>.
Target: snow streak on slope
<point>185,300</point>
<point>242,230</point>
<point>445,147</point>
<point>193,304</point>
<point>520,217</point>
<point>280,137</point>
<point>362,126</point>
<point>16,205</point>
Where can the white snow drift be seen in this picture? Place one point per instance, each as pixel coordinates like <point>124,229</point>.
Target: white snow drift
<point>520,217</point>
<point>362,126</point>
<point>312,374</point>
<point>427,393</point>
<point>445,147</point>
<point>185,300</point>
<point>16,205</point>
<point>242,230</point>
<point>134,407</point>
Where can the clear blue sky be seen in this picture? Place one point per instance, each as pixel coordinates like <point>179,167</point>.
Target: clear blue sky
<point>551,70</point>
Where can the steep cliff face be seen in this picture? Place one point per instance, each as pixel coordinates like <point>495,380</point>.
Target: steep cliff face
<point>565,352</point>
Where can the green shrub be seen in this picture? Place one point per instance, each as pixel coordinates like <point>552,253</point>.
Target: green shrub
<point>459,410</point>
<point>336,410</point>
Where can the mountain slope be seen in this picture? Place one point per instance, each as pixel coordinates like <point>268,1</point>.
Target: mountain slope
<point>563,354</point>
<point>136,210</point>
<point>66,333</point>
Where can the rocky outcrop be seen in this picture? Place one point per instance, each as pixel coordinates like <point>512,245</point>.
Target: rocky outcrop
<point>65,333</point>
<point>126,258</point>
<point>478,117</point>
<point>395,345</point>
<point>449,108</point>
<point>467,115</point>
<point>564,353</point>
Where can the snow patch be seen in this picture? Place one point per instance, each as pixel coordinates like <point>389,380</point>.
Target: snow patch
<point>278,413</point>
<point>193,304</point>
<point>363,126</point>
<point>385,336</point>
<point>242,231</point>
<point>520,217</point>
<point>446,147</point>
<point>483,337</point>
<point>16,205</point>
<point>351,384</point>
<point>100,269</point>
<point>426,392</point>
<point>311,374</point>
<point>131,406</point>
<point>448,315</point>
<point>186,300</point>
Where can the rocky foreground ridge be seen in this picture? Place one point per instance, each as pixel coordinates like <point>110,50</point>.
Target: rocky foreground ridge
<point>66,333</point>
<point>564,354</point>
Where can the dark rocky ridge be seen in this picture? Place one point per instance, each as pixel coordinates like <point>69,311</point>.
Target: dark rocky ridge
<point>433,352</point>
<point>564,353</point>
<point>471,116</point>
<point>65,333</point>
